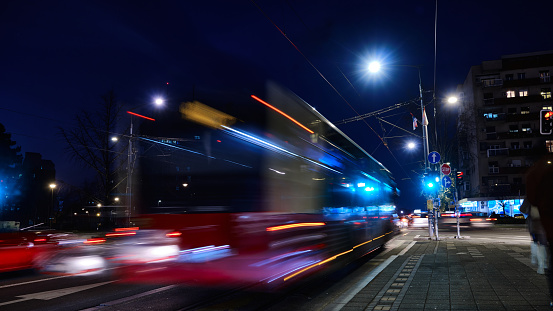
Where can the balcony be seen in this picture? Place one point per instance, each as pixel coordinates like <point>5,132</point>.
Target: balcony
<point>517,135</point>
<point>521,82</point>
<point>523,152</point>
<point>517,100</point>
<point>532,116</point>
<point>503,190</point>
<point>512,170</point>
<point>491,82</point>
<point>500,152</point>
<point>527,152</point>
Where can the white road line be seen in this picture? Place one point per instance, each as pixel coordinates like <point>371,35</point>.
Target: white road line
<point>53,294</point>
<point>42,280</point>
<point>407,248</point>
<point>347,296</point>
<point>123,300</point>
<point>35,281</point>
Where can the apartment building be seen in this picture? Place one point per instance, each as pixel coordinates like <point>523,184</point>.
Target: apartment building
<point>499,124</point>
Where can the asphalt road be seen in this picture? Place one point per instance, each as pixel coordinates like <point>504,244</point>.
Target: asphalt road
<point>27,290</point>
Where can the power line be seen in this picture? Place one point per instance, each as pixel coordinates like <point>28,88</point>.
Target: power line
<point>373,113</point>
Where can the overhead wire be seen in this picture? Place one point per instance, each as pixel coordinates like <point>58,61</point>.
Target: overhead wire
<point>322,76</point>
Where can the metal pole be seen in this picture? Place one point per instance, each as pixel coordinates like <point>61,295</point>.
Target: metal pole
<point>51,210</point>
<point>436,224</point>
<point>424,127</point>
<point>425,150</point>
<point>129,176</point>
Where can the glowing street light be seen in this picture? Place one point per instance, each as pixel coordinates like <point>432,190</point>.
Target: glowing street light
<point>452,100</point>
<point>52,187</point>
<point>130,156</point>
<point>374,66</point>
<point>411,145</point>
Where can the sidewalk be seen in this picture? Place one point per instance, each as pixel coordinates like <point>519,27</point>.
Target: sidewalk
<point>452,274</point>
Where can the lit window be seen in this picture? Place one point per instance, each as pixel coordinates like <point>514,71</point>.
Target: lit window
<point>526,128</point>
<point>549,145</point>
<point>490,115</point>
<point>544,76</point>
<point>546,93</point>
<point>510,94</point>
<point>524,110</point>
<point>523,93</point>
<point>547,108</point>
<point>513,128</point>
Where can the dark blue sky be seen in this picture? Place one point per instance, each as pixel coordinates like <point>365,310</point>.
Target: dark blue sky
<point>59,57</point>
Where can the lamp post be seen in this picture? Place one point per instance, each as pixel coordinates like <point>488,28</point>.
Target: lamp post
<point>374,67</point>
<point>131,157</point>
<point>52,187</point>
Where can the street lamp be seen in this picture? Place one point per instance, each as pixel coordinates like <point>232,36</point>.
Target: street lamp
<point>159,101</point>
<point>52,187</point>
<point>131,156</point>
<point>452,100</point>
<point>374,67</point>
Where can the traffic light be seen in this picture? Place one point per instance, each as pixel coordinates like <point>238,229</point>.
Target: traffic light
<point>431,183</point>
<point>460,175</point>
<point>546,122</point>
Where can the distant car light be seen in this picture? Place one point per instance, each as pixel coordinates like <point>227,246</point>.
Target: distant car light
<point>94,241</point>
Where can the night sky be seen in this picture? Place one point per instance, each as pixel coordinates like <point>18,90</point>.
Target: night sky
<point>59,57</point>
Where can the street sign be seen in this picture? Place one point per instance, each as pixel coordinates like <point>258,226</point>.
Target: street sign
<point>446,169</point>
<point>433,157</point>
<point>446,181</point>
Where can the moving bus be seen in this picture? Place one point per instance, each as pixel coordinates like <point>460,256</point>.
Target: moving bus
<point>262,190</point>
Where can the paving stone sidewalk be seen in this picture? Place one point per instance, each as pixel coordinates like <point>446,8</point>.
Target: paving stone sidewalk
<point>453,274</point>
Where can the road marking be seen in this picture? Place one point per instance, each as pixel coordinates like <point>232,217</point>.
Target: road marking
<point>407,248</point>
<point>347,296</point>
<point>35,281</point>
<point>41,280</point>
<point>52,294</point>
<point>133,297</point>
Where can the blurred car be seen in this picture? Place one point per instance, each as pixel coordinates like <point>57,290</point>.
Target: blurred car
<point>19,250</point>
<point>75,260</point>
<point>419,220</point>
<point>473,219</point>
<point>405,221</point>
<point>520,216</point>
<point>480,220</point>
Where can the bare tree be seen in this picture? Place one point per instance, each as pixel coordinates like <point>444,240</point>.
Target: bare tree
<point>90,143</point>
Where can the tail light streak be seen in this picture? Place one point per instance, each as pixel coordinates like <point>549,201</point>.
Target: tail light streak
<point>331,258</point>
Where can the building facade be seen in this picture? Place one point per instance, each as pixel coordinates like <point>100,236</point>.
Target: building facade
<point>499,124</point>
